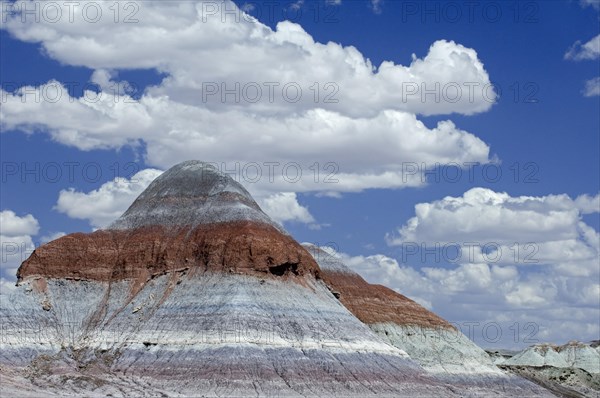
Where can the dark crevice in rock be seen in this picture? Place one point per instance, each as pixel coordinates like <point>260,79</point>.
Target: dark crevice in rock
<point>284,268</point>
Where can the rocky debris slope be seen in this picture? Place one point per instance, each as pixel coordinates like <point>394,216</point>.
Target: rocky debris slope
<point>195,291</point>
<point>564,382</point>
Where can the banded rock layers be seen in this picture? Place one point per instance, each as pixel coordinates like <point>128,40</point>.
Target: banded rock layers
<point>190,218</point>
<point>431,341</point>
<point>194,291</point>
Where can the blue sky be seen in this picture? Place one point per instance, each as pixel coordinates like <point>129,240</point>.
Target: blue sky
<point>538,124</point>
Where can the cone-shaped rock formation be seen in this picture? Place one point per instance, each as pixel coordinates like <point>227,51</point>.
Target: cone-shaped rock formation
<point>194,291</point>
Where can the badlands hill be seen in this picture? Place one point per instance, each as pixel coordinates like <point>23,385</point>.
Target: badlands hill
<point>569,370</point>
<point>195,291</point>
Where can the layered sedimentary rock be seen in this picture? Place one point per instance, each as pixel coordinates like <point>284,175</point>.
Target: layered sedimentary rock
<point>372,304</point>
<point>221,334</point>
<point>194,291</point>
<point>192,217</point>
<point>437,345</point>
<point>141,253</point>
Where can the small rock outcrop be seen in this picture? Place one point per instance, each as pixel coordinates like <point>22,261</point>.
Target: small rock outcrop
<point>570,370</point>
<point>574,354</point>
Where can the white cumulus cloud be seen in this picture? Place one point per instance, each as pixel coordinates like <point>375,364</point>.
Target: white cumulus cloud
<point>284,206</point>
<point>105,204</point>
<point>588,204</point>
<point>528,307</point>
<point>592,87</point>
<point>543,266</point>
<point>388,141</point>
<point>587,51</point>
<point>16,241</point>
<point>11,224</point>
<point>485,215</point>
<point>236,90</point>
